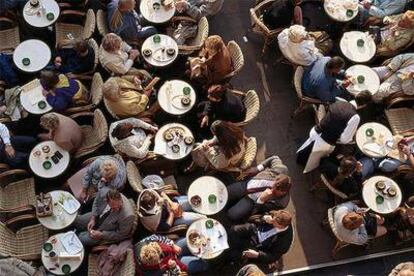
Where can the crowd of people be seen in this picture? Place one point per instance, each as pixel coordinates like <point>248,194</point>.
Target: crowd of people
<point>149,217</point>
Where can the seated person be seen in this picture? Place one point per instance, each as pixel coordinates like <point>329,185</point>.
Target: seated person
<point>225,150</point>
<point>76,60</point>
<point>347,174</point>
<point>132,137</point>
<point>62,92</point>
<point>105,171</point>
<point>397,76</point>
<point>8,72</point>
<point>299,46</point>
<point>125,22</point>
<point>355,225</point>
<point>338,126</point>
<point>378,9</point>
<point>222,105</point>
<point>397,34</point>
<point>267,190</point>
<point>320,79</point>
<point>111,220</point>
<point>199,8</point>
<point>282,13</point>
<point>10,105</point>
<point>126,97</point>
<point>159,213</point>
<point>250,270</point>
<point>64,131</point>
<point>14,5</point>
<point>158,255</point>
<point>403,269</point>
<point>15,150</point>
<point>116,56</point>
<point>263,242</point>
<point>213,62</point>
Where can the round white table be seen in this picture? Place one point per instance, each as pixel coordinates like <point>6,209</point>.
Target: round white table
<point>165,148</point>
<point>63,255</point>
<point>65,210</point>
<point>154,12</point>
<point>37,17</point>
<point>170,97</point>
<point>216,239</point>
<point>370,194</point>
<point>32,98</point>
<point>340,10</point>
<point>373,139</point>
<point>363,78</point>
<point>354,52</point>
<point>36,51</point>
<point>38,157</point>
<point>158,56</point>
<point>204,187</point>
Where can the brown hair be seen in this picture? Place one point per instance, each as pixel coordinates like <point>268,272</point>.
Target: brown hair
<point>49,121</point>
<point>352,221</point>
<point>122,131</point>
<point>147,201</point>
<point>282,183</point>
<point>217,91</point>
<point>347,165</point>
<point>49,79</point>
<point>113,194</point>
<point>111,42</point>
<point>150,254</point>
<point>229,136</point>
<point>282,217</point>
<point>214,43</point>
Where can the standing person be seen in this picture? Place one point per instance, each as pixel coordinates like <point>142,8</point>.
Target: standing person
<point>199,8</point>
<point>125,21</point>
<point>15,150</point>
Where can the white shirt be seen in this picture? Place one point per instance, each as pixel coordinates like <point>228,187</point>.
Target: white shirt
<point>303,53</point>
<point>4,134</point>
<point>106,210</point>
<point>349,132</point>
<point>262,236</point>
<point>256,183</point>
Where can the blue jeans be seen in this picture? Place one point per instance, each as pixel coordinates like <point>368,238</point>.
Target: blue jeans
<point>22,146</point>
<point>147,32</point>
<point>194,264</point>
<point>188,217</point>
<point>389,164</point>
<point>368,167</point>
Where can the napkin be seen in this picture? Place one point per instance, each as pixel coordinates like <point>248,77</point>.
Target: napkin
<point>374,148</point>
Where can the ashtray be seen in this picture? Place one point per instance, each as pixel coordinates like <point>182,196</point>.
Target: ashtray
<point>26,61</point>
<point>47,165</point>
<point>369,132</point>
<point>209,224</point>
<point>185,100</point>
<point>50,16</point>
<point>360,79</point>
<point>41,104</point>
<point>349,13</point>
<point>186,90</point>
<point>47,246</point>
<point>147,52</point>
<point>170,51</point>
<point>379,199</point>
<point>175,148</point>
<point>360,42</point>
<point>66,269</point>
<point>156,39</point>
<point>212,199</point>
<point>195,200</point>
<point>188,140</point>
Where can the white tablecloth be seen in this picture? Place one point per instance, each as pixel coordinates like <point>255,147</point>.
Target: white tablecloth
<point>36,51</point>
<point>170,95</point>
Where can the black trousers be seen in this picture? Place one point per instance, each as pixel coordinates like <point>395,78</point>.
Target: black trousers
<point>242,237</point>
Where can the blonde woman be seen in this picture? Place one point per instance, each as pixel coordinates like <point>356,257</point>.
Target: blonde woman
<point>124,20</point>
<point>105,171</point>
<point>126,97</point>
<point>115,55</point>
<point>64,131</point>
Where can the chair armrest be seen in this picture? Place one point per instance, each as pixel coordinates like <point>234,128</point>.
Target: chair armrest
<point>313,101</point>
<point>81,114</point>
<point>183,18</point>
<point>394,101</point>
<point>99,248</point>
<point>72,12</point>
<point>13,172</point>
<point>8,20</point>
<point>20,222</point>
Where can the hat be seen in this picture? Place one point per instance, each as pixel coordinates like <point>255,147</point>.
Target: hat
<point>297,33</point>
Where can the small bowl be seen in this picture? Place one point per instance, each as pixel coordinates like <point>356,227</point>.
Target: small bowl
<point>168,136</point>
<point>26,61</point>
<point>188,140</point>
<point>195,200</point>
<point>379,199</point>
<point>37,153</point>
<point>46,149</point>
<point>209,224</point>
<point>391,192</point>
<point>147,52</point>
<point>212,199</point>
<point>47,165</point>
<point>349,13</point>
<point>185,100</point>
<point>47,246</point>
<point>50,16</point>
<point>361,79</point>
<point>380,185</point>
<point>360,42</point>
<point>369,132</point>
<point>170,51</point>
<point>66,269</point>
<point>41,104</point>
<point>175,148</point>
<point>193,236</point>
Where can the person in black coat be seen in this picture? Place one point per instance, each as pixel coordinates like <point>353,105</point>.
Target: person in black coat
<point>222,105</point>
<point>77,60</point>
<point>263,242</point>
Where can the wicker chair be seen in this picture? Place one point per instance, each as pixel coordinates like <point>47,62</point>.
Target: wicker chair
<point>26,244</point>
<point>17,193</point>
<point>339,196</point>
<point>401,121</point>
<point>259,27</point>
<point>252,103</point>
<point>9,37</point>
<point>96,96</point>
<point>77,31</point>
<point>248,158</point>
<point>4,167</point>
<point>320,112</point>
<point>94,135</point>
<point>101,22</point>
<point>237,59</point>
<point>127,268</point>
<point>197,42</point>
<point>303,100</point>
